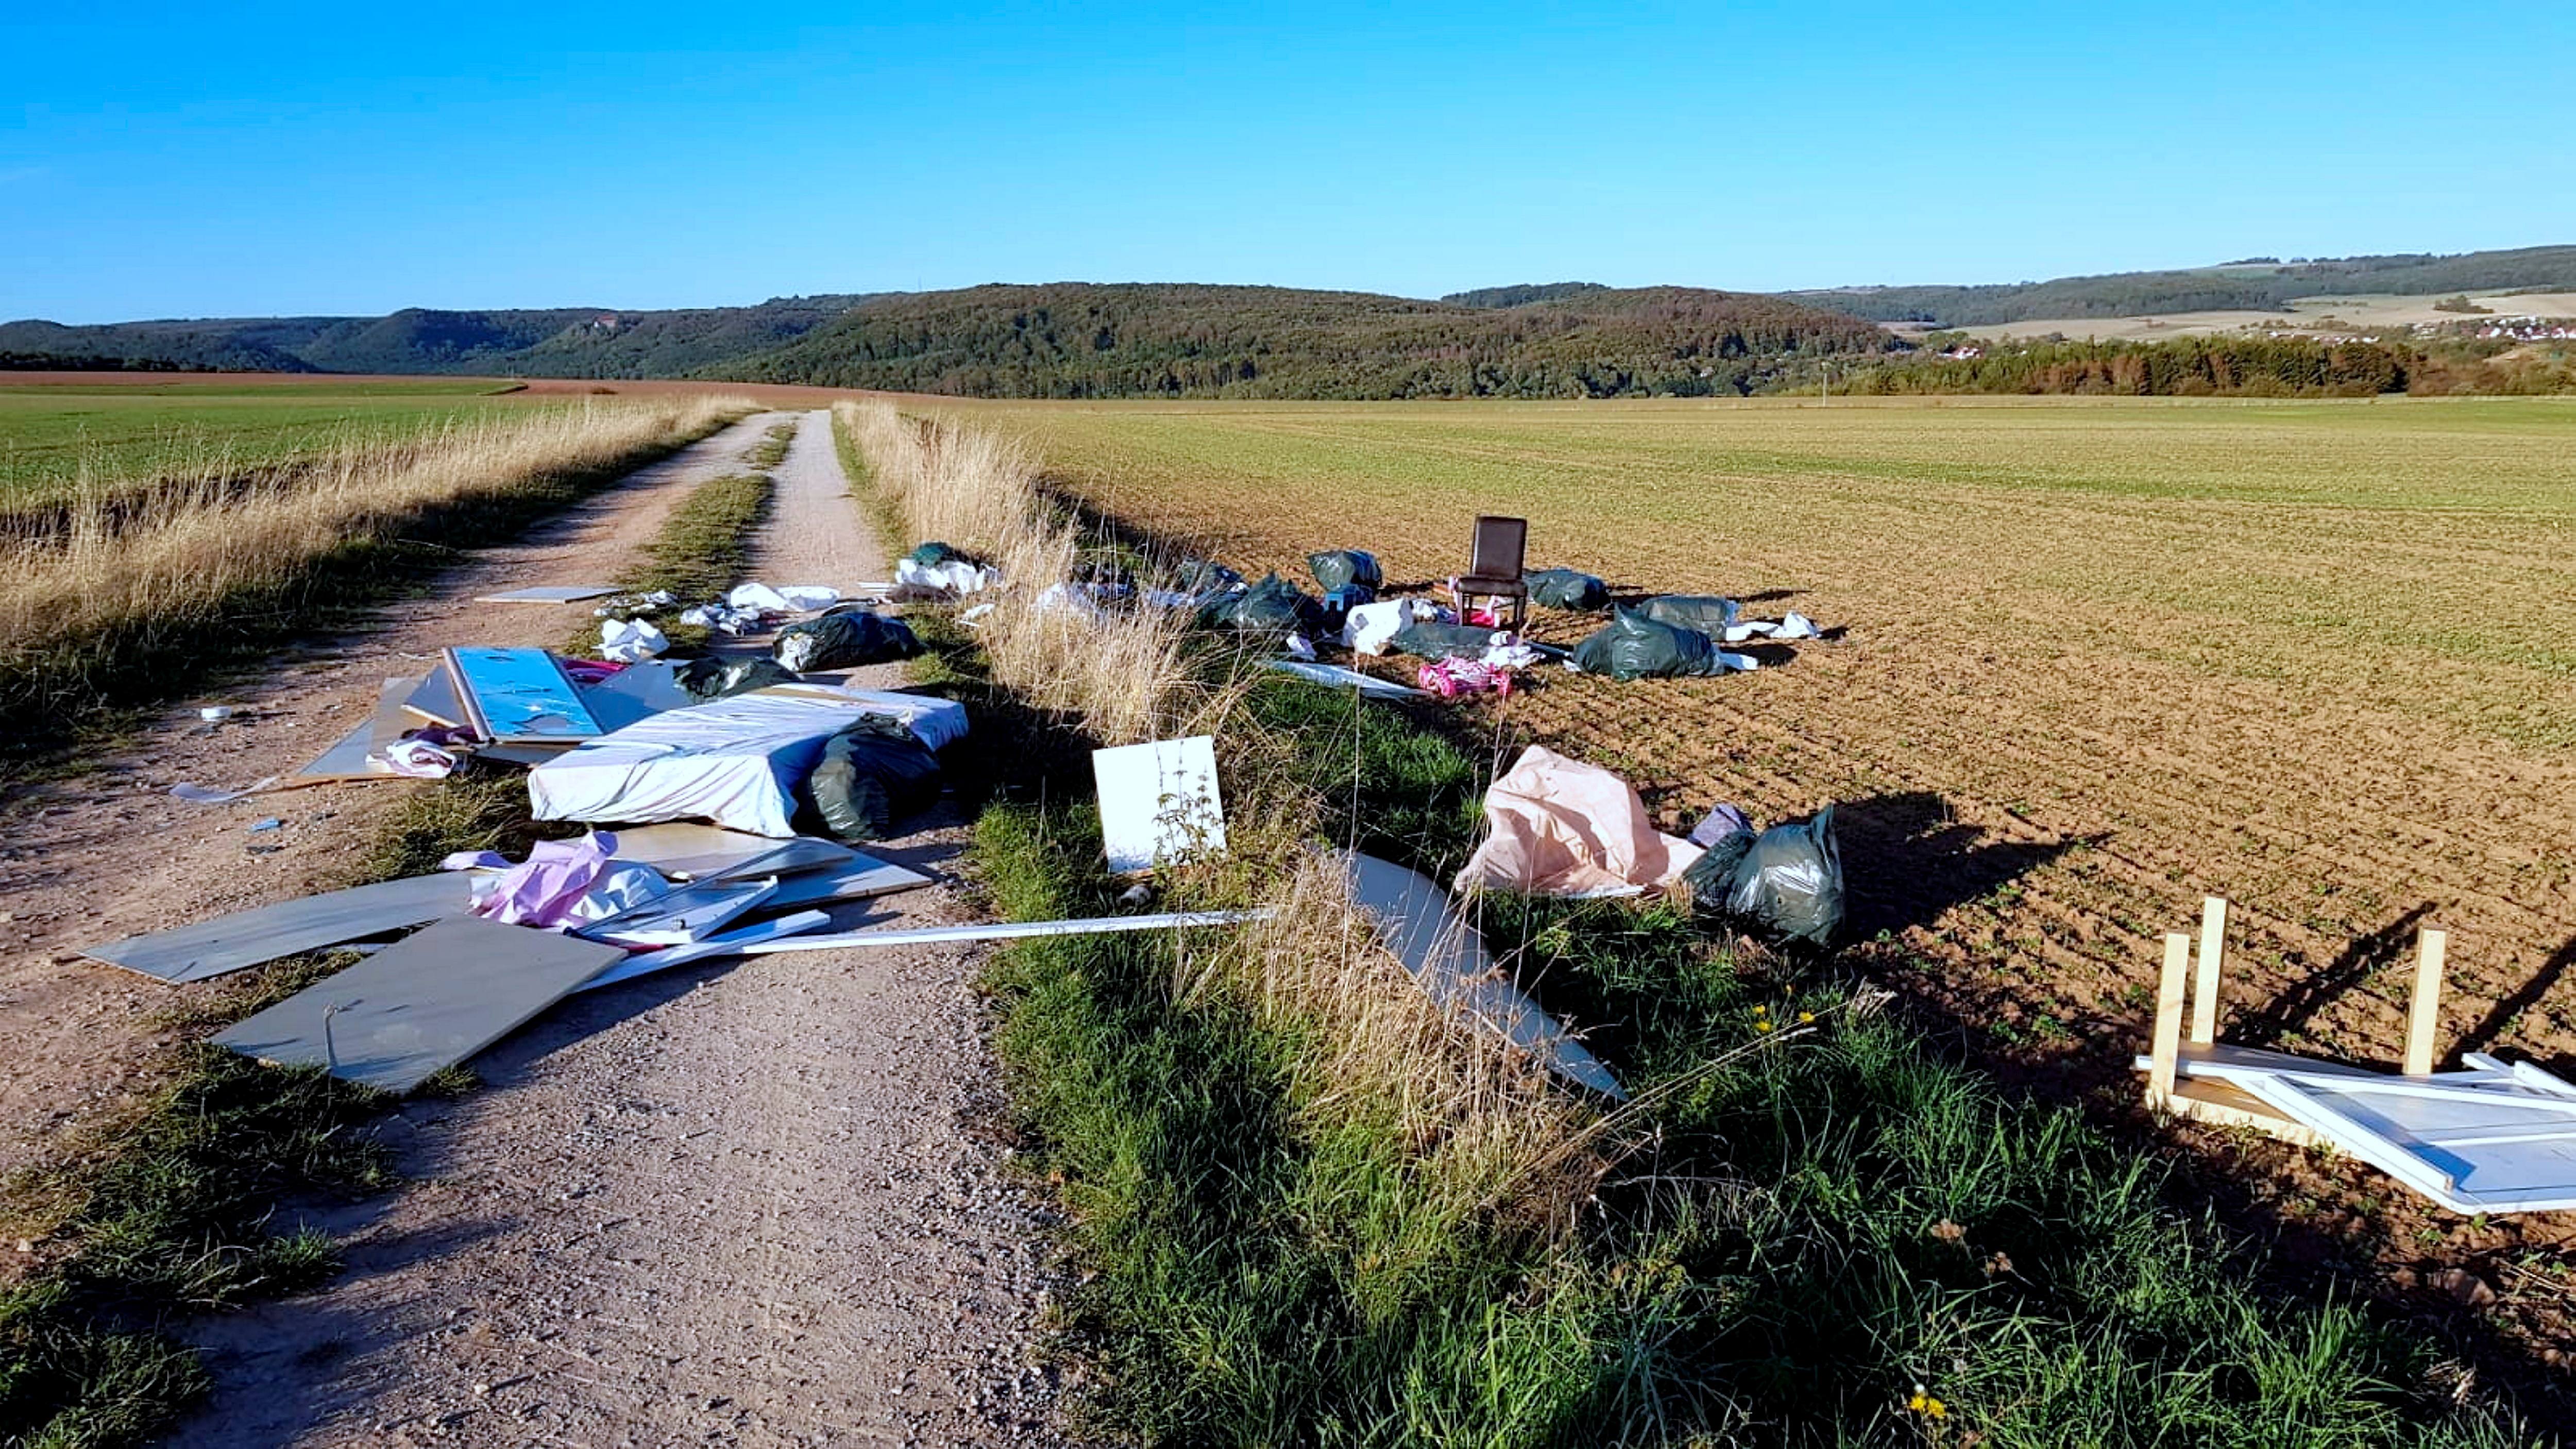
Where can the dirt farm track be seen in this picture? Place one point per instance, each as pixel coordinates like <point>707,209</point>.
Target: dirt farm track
<point>2096,661</point>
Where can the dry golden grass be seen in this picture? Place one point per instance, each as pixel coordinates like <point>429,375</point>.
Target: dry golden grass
<point>1119,669</point>
<point>115,569</point>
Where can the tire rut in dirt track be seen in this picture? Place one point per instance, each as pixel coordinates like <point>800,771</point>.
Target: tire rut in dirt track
<point>109,853</point>
<point>745,1203</point>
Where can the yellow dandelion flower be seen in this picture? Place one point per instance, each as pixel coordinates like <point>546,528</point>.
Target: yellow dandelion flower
<point>1806,1016</point>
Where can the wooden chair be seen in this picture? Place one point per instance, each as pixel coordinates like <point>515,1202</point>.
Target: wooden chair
<point>1494,567</point>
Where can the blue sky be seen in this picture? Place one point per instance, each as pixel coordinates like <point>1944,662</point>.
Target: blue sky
<point>193,161</point>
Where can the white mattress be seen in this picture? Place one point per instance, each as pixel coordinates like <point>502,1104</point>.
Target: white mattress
<point>736,762</point>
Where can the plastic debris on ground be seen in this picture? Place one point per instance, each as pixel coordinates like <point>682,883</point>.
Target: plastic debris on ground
<point>1559,827</point>
<point>1271,607</point>
<point>631,641</point>
<point>564,883</point>
<point>711,678</point>
<point>1450,678</point>
<point>1448,641</point>
<point>957,576</point>
<point>1345,567</point>
<point>1786,883</point>
<point>1371,628</point>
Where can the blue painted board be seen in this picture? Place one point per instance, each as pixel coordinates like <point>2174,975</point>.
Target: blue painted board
<point>522,695</point>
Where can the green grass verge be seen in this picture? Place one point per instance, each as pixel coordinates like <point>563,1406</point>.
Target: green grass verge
<point>1840,1236</point>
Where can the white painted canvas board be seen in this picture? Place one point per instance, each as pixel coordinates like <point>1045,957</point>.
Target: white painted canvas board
<point>1159,802</point>
<point>2472,1152</point>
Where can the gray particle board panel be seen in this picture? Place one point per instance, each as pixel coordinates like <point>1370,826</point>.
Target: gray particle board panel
<point>867,876</point>
<point>639,691</point>
<point>436,700</point>
<point>1448,959</point>
<point>247,938</point>
<point>347,759</point>
<point>548,594</point>
<point>708,852</point>
<point>426,1003</point>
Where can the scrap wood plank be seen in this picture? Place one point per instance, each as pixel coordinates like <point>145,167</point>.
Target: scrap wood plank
<point>520,696</point>
<point>435,700</point>
<point>247,938</point>
<point>423,1004</point>
<point>548,594</point>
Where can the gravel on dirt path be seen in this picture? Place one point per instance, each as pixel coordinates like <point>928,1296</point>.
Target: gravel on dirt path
<point>742,1203</point>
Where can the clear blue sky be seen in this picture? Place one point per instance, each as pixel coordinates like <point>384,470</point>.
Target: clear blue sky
<point>199,160</point>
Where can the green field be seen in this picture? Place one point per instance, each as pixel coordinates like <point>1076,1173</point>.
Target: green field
<point>131,431</point>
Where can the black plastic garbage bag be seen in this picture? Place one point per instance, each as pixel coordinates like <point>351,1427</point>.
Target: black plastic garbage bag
<point>1444,641</point>
<point>844,641</point>
<point>1272,606</point>
<point>1786,883</point>
<point>1344,567</point>
<point>873,774</point>
<point>1707,613</point>
<point>1632,646</point>
<point>1567,589</point>
<point>708,678</point>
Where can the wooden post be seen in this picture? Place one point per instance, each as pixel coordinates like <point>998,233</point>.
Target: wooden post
<point>2204,989</point>
<point>2423,1021</point>
<point>2168,1039</point>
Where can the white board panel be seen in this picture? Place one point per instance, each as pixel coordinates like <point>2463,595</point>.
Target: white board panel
<point>1159,802</point>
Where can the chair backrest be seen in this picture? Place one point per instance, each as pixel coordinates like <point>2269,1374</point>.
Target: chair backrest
<point>1499,545</point>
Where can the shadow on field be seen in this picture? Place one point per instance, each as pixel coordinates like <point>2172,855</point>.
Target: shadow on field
<point>2500,1019</point>
<point>2293,1009</point>
<point>1907,860</point>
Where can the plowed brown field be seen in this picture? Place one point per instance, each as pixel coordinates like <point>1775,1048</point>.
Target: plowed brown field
<point>2098,659</point>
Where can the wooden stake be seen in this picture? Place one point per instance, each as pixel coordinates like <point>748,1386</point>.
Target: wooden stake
<point>2423,1021</point>
<point>2204,990</point>
<point>2168,1039</point>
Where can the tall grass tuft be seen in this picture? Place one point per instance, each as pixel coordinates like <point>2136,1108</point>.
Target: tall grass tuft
<point>98,596</point>
<point>1120,669</point>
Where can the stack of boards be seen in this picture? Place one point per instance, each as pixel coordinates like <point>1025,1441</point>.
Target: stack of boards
<point>518,699</point>
<point>457,983</point>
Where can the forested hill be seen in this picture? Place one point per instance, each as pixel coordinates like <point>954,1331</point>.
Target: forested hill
<point>561,341</point>
<point>1086,340</point>
<point>2255,284</point>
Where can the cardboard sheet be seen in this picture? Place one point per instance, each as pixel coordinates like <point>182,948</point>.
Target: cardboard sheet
<point>422,1004</point>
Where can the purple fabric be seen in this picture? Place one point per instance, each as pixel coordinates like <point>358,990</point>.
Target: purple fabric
<point>1722,822</point>
<point>544,890</point>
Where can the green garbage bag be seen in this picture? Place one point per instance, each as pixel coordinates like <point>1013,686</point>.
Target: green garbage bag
<point>1786,883</point>
<point>873,774</point>
<point>1341,568</point>
<point>1707,613</point>
<point>708,678</point>
<point>1632,646</point>
<point>1444,641</point>
<point>1567,589</point>
<point>932,555</point>
<point>1204,576</point>
<point>1272,606</point>
<point>843,641</point>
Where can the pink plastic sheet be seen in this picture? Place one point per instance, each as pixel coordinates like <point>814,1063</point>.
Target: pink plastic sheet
<point>1558,827</point>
